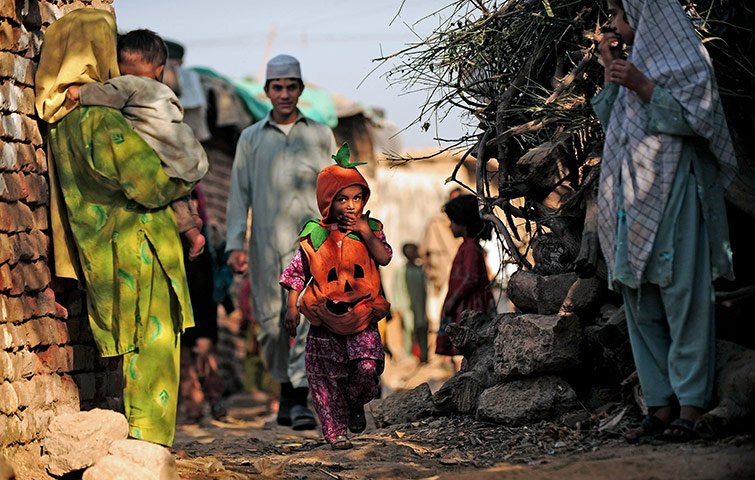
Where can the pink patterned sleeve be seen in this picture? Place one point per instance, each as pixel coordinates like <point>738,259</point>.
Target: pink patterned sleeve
<point>296,273</point>
<point>294,276</point>
<point>381,236</point>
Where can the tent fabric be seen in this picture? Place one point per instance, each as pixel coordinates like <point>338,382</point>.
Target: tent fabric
<point>313,103</point>
<point>229,108</point>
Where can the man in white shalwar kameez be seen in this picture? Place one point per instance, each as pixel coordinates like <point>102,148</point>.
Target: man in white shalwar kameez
<point>274,174</point>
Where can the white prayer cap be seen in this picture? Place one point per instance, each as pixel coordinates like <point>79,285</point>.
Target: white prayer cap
<point>283,66</point>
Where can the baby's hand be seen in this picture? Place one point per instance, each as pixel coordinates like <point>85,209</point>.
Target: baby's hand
<point>292,320</point>
<point>72,93</point>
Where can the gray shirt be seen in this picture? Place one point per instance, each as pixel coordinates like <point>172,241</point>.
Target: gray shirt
<point>153,110</point>
<point>275,176</point>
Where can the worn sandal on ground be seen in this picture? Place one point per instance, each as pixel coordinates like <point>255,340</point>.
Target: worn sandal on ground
<point>680,430</point>
<point>357,420</point>
<point>650,425</point>
<point>341,442</point>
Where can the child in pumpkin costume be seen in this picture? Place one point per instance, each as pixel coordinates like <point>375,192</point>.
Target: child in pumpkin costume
<point>337,261</point>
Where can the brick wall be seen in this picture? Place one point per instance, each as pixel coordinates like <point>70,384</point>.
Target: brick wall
<point>48,362</point>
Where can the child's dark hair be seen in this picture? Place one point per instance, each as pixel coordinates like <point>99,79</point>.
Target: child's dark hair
<point>408,247</point>
<point>620,4</point>
<point>146,43</point>
<point>463,210</point>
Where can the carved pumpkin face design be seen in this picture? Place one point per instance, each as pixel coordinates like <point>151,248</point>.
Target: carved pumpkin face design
<point>344,293</point>
<point>350,280</point>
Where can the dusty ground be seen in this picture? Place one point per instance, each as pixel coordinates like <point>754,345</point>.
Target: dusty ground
<point>250,446</point>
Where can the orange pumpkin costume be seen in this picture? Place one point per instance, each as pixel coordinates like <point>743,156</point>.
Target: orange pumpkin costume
<point>344,295</point>
<point>343,302</point>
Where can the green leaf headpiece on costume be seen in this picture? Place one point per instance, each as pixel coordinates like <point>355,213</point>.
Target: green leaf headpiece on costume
<point>331,180</point>
<point>343,157</point>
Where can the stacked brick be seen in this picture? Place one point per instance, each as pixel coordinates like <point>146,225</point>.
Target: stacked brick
<point>48,362</point>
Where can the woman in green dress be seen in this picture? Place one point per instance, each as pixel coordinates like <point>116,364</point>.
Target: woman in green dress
<point>112,228</point>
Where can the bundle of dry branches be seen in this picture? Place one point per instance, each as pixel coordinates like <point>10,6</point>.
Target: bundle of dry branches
<point>524,71</point>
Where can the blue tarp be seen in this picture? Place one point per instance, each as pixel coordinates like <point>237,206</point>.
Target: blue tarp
<point>314,103</point>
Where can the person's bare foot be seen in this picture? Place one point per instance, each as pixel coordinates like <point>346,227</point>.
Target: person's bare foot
<point>690,413</point>
<point>196,246</point>
<point>683,428</point>
<point>652,424</point>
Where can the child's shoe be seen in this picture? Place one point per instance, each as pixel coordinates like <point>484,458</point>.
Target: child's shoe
<point>218,410</point>
<point>357,420</point>
<point>341,442</point>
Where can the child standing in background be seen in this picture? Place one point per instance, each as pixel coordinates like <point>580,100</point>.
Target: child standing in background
<point>468,282</point>
<point>200,374</point>
<point>409,299</point>
<point>337,261</point>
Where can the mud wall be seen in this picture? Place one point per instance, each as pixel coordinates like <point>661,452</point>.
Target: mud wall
<point>48,361</point>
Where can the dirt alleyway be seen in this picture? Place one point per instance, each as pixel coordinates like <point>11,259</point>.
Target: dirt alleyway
<point>249,445</point>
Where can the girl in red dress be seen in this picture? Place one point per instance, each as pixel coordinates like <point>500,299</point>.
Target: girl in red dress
<point>468,282</point>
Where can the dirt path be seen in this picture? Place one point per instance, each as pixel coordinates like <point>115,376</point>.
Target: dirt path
<point>250,446</point>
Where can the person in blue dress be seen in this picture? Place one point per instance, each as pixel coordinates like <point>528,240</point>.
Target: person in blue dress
<point>667,159</point>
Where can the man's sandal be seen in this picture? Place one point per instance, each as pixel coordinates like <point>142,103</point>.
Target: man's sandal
<point>680,430</point>
<point>650,425</point>
<point>341,442</point>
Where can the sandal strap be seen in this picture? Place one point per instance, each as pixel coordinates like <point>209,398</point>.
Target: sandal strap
<point>341,442</point>
<point>683,424</point>
<point>680,430</point>
<point>651,424</point>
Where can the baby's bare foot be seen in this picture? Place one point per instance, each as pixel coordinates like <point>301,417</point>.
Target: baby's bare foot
<point>197,247</point>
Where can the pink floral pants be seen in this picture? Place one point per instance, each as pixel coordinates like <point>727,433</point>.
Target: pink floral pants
<point>343,372</point>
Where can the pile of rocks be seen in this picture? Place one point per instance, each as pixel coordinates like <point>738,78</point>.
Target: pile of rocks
<point>516,365</point>
<point>567,343</point>
<point>95,444</point>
